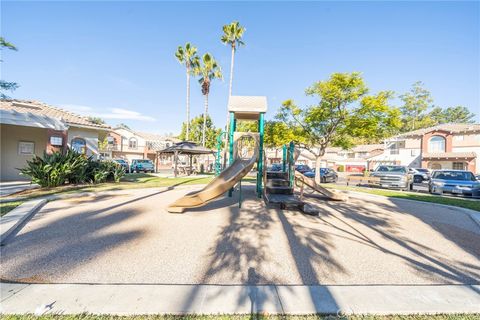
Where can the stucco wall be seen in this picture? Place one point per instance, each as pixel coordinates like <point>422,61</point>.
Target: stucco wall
<point>10,158</point>
<point>90,136</point>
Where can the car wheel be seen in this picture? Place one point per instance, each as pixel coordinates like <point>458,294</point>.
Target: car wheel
<point>323,180</point>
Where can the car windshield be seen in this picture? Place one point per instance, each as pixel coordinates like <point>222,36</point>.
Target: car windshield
<point>144,161</point>
<point>323,170</point>
<point>422,170</point>
<point>454,175</point>
<point>391,169</point>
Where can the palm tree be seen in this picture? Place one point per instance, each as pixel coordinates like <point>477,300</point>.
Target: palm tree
<point>188,56</point>
<point>232,35</point>
<point>208,71</point>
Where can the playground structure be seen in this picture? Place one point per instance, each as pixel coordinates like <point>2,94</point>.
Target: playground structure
<point>275,187</point>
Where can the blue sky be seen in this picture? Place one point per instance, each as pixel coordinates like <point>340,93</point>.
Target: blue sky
<point>116,59</point>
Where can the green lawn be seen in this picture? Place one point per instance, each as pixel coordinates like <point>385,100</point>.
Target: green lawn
<point>246,317</point>
<point>9,206</point>
<point>457,202</point>
<point>130,181</point>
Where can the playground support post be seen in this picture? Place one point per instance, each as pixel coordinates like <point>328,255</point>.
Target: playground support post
<point>232,128</point>
<point>261,129</point>
<point>291,164</point>
<point>284,158</point>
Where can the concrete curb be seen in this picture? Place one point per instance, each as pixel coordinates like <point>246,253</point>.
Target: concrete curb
<point>142,299</point>
<point>12,220</point>
<point>474,215</point>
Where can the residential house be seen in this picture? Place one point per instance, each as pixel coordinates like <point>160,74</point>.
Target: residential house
<point>351,160</point>
<point>447,146</point>
<point>127,144</point>
<point>31,128</point>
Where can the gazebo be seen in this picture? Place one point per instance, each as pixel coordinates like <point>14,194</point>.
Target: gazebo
<point>184,148</point>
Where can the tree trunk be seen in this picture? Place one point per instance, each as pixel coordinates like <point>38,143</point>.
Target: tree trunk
<point>227,127</point>
<point>205,120</point>
<point>188,104</point>
<point>317,168</point>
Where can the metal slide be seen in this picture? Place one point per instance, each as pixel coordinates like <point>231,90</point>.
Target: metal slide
<point>218,186</point>
<point>310,182</point>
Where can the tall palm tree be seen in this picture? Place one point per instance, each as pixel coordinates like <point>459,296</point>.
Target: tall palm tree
<point>208,70</point>
<point>232,35</point>
<point>188,57</point>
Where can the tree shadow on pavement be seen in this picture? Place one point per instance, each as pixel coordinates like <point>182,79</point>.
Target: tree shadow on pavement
<point>64,242</point>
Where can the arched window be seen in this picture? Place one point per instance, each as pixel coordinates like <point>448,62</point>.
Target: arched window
<point>79,145</point>
<point>132,143</point>
<point>436,144</point>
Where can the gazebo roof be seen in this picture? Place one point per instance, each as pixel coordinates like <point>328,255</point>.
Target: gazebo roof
<point>186,147</point>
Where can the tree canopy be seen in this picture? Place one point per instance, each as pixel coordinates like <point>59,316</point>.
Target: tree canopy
<point>6,85</point>
<point>196,126</point>
<point>344,110</point>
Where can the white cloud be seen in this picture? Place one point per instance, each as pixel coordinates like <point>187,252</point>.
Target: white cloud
<point>108,113</point>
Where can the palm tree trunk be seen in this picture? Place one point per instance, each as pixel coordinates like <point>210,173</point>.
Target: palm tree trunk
<point>205,120</point>
<point>227,127</point>
<point>188,104</point>
<point>231,71</point>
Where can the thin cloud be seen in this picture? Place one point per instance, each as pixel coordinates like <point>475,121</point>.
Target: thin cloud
<point>110,113</point>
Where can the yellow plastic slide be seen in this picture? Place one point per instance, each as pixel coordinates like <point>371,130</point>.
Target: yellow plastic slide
<point>310,182</point>
<point>218,186</point>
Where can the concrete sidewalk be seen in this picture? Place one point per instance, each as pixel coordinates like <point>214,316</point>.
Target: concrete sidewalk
<point>10,187</point>
<point>132,299</point>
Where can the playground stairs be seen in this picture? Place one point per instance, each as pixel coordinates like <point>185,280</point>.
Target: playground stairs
<point>278,191</point>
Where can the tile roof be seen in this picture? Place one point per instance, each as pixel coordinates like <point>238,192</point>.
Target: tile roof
<point>450,127</point>
<point>40,108</point>
<point>450,155</point>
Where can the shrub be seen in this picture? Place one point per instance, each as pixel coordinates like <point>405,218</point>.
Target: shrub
<point>56,169</point>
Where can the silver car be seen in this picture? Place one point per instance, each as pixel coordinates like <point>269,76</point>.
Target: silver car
<point>392,176</point>
<point>459,182</point>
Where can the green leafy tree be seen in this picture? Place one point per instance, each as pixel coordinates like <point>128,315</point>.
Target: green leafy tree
<point>6,85</point>
<point>96,120</point>
<point>458,114</point>
<point>416,103</point>
<point>123,126</point>
<point>196,131</point>
<point>344,110</point>
<point>188,57</point>
<point>208,70</point>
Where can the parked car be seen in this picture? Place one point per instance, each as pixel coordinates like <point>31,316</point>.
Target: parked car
<point>478,177</point>
<point>302,168</point>
<point>327,175</point>
<point>391,176</point>
<point>421,175</point>
<point>455,182</point>
<point>144,165</point>
<point>124,164</point>
<point>275,167</point>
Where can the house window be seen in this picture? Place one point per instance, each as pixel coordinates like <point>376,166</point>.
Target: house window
<point>79,145</point>
<point>414,152</point>
<point>26,148</point>
<point>56,141</point>
<point>458,166</point>
<point>132,143</point>
<point>458,138</point>
<point>435,166</point>
<point>394,151</point>
<point>436,144</point>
